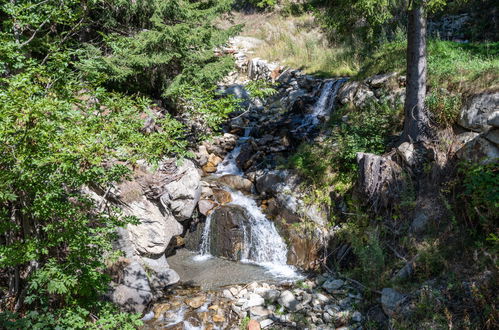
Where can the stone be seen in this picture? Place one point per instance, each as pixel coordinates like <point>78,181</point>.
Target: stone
<point>271,295</point>
<point>494,119</point>
<point>362,95</point>
<point>205,206</point>
<point>196,302</point>
<point>289,301</point>
<point>182,195</point>
<point>222,196</point>
<point>237,182</point>
<point>405,272</point>
<point>265,323</point>
<point>356,316</point>
<point>493,136</point>
<point>391,301</point>
<point>253,325</point>
<point>154,231</point>
<point>347,92</point>
<point>479,150</point>
<point>259,312</point>
<point>466,137</point>
<point>381,80</point>
<point>254,300</point>
<point>132,299</point>
<point>209,168</point>
<point>227,231</point>
<point>420,222</point>
<point>218,318</point>
<point>159,274</point>
<point>332,285</point>
<point>476,112</point>
<point>214,160</point>
<point>227,294</point>
<point>406,151</point>
<point>160,309</point>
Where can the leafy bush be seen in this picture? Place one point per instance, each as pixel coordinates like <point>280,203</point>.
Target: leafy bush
<point>481,200</point>
<point>444,107</point>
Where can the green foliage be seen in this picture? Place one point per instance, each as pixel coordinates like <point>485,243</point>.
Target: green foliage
<point>207,104</point>
<point>481,200</point>
<point>444,107</point>
<point>70,118</point>
<point>453,66</point>
<point>260,89</point>
<point>264,4</point>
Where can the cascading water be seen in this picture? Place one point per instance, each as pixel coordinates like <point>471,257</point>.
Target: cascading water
<point>262,243</point>
<point>325,102</point>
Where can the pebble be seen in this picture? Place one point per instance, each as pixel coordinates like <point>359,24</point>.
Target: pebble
<point>265,323</point>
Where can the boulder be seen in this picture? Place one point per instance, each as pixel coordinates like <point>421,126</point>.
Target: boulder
<point>227,231</point>
<point>222,196</point>
<point>479,150</point>
<point>134,293</point>
<point>154,231</point>
<point>476,112</point>
<point>160,275</point>
<point>182,195</point>
<point>392,301</point>
<point>205,206</point>
<point>493,136</point>
<point>237,182</point>
<point>494,119</point>
<point>406,151</point>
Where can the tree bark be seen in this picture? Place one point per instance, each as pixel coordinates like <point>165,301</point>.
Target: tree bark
<point>416,123</point>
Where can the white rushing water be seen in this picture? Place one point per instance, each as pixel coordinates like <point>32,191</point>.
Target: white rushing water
<point>325,102</point>
<point>262,243</point>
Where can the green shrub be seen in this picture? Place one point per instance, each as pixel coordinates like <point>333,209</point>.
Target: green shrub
<point>444,107</point>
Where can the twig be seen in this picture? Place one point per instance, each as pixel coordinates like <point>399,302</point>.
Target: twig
<point>396,253</point>
<point>34,34</point>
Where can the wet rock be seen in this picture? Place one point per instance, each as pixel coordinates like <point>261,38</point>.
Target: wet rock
<point>206,206</point>
<point>391,301</point>
<point>288,300</point>
<point>237,182</point>
<point>476,112</point>
<point>195,302</point>
<point>218,318</point>
<point>209,168</point>
<point>181,196</point>
<point>227,231</point>
<point>222,196</point>
<point>247,154</point>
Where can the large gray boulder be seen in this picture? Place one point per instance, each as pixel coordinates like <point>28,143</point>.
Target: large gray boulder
<point>479,150</point>
<point>134,293</point>
<point>181,196</point>
<point>477,111</point>
<point>154,231</point>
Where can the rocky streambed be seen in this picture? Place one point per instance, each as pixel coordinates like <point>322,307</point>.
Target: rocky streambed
<point>322,303</point>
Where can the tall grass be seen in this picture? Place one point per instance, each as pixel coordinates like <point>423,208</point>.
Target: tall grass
<point>298,42</point>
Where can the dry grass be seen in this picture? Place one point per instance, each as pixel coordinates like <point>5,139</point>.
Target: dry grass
<point>298,42</point>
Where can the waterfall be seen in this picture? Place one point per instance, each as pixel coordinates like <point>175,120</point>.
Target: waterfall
<point>205,242</point>
<point>325,102</point>
<point>262,243</point>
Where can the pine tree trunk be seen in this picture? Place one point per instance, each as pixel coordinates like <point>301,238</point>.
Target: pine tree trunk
<point>416,124</point>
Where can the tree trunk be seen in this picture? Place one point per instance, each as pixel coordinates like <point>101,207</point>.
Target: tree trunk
<point>416,123</point>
